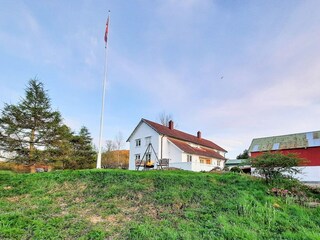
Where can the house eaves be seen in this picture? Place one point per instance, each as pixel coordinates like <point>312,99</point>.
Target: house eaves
<point>200,151</point>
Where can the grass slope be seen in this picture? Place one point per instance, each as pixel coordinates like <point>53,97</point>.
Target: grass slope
<point>118,204</point>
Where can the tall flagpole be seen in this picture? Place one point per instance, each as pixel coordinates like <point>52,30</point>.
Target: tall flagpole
<point>104,92</point>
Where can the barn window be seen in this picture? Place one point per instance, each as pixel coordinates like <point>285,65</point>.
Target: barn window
<point>275,146</point>
<point>255,148</point>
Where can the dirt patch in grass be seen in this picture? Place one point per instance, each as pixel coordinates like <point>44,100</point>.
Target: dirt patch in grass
<point>78,200</point>
<point>17,198</point>
<point>96,219</point>
<point>13,199</point>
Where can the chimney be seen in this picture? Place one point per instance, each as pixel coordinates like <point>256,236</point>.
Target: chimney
<point>171,124</point>
<point>198,134</point>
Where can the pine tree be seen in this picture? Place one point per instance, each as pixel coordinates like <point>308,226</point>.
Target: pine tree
<point>84,155</point>
<point>62,151</point>
<point>244,155</point>
<point>29,129</point>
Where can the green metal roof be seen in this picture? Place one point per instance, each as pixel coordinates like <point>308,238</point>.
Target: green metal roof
<point>298,140</point>
<point>234,162</point>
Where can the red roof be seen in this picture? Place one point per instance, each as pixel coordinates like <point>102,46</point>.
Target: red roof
<point>196,150</point>
<point>182,135</point>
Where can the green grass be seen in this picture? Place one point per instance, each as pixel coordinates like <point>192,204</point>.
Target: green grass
<point>97,204</point>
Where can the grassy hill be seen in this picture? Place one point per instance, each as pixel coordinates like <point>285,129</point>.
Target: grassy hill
<point>119,204</point>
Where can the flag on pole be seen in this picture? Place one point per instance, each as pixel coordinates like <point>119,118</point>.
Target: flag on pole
<point>106,33</point>
<point>103,95</point>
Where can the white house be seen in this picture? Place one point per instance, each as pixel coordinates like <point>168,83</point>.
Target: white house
<point>153,142</point>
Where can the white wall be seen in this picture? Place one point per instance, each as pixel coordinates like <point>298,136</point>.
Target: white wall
<point>182,165</point>
<point>142,132</point>
<point>309,174</point>
<point>192,166</point>
<point>171,151</point>
<point>197,167</point>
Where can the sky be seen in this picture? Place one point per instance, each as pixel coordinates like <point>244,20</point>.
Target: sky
<point>235,70</point>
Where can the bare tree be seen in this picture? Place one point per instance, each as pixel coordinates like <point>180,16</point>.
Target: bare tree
<point>165,118</point>
<point>108,155</point>
<point>110,146</point>
<point>118,144</point>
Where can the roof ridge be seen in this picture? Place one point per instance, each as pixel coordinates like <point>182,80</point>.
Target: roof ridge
<point>285,135</point>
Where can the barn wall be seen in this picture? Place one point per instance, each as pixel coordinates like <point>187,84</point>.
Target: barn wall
<point>311,154</point>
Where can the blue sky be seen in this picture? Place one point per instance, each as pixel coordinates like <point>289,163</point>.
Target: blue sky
<point>234,70</point>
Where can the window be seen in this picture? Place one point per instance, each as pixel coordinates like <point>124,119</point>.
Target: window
<point>205,160</point>
<point>189,158</point>
<point>148,140</point>
<point>148,156</point>
<point>138,142</point>
<point>275,146</point>
<point>218,162</point>
<point>255,148</point>
<point>137,156</point>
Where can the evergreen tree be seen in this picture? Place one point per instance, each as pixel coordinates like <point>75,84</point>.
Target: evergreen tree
<point>62,151</point>
<point>84,155</point>
<point>244,155</point>
<point>29,129</point>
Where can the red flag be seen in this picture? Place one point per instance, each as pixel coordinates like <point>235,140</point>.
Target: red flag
<point>106,33</point>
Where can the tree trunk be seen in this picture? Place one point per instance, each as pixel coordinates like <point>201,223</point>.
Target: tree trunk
<point>31,149</point>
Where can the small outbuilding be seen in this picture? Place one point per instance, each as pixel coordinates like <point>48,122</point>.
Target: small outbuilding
<point>240,163</point>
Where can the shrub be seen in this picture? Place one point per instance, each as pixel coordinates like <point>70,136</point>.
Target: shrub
<point>236,170</point>
<point>274,166</point>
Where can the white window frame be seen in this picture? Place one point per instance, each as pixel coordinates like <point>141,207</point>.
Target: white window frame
<point>138,142</point>
<point>189,158</point>
<point>137,156</point>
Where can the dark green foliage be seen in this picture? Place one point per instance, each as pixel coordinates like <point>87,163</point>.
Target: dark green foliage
<point>275,166</point>
<point>236,170</point>
<point>83,155</point>
<point>29,129</point>
<point>244,155</point>
<point>75,151</point>
<point>117,204</point>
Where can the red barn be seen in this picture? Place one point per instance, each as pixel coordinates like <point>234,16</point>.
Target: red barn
<point>305,145</point>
